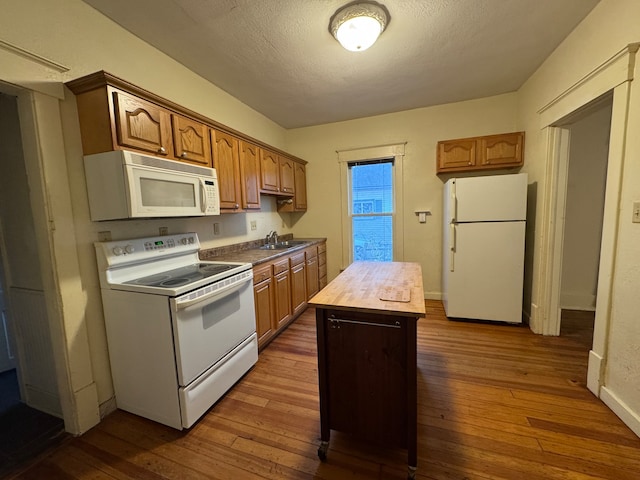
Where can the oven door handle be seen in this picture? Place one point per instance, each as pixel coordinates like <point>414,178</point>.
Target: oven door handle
<point>181,305</point>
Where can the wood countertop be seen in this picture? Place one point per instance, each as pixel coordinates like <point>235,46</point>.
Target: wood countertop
<point>363,286</point>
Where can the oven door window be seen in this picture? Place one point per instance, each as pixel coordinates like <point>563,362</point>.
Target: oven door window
<point>206,331</point>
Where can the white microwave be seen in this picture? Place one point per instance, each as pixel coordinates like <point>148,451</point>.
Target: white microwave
<point>123,184</point>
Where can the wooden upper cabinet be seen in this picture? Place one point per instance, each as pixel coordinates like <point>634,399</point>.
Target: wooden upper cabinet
<point>481,153</point>
<point>299,201</point>
<point>250,175</point>
<point>287,183</point>
<point>226,161</point>
<point>503,150</point>
<point>269,171</point>
<point>142,125</point>
<point>191,141</point>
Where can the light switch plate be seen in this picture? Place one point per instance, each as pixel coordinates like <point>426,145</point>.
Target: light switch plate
<point>636,212</point>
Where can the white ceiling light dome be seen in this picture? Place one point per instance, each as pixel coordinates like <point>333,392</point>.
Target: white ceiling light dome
<point>357,26</point>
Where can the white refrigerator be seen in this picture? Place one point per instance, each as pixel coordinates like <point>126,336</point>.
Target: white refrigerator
<point>483,247</point>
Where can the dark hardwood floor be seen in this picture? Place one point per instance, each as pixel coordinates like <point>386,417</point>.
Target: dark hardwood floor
<point>495,402</point>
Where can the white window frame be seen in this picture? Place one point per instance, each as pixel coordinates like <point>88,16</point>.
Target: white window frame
<point>396,152</point>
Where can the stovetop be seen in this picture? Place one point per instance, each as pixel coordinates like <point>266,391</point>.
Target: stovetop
<point>182,276</point>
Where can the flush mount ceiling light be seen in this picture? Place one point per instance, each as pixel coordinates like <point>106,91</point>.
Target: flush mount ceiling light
<point>358,25</point>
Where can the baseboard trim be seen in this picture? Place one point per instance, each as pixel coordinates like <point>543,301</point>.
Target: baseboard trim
<point>433,295</point>
<point>621,409</point>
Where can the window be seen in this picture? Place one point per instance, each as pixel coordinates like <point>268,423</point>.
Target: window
<point>371,199</point>
<point>371,193</point>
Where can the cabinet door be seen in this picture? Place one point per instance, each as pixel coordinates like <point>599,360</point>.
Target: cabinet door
<point>226,161</point>
<point>283,298</point>
<point>250,175</point>
<point>312,276</point>
<point>142,125</point>
<point>456,154</point>
<point>503,150</point>
<point>269,171</point>
<point>298,287</point>
<point>264,304</point>
<point>366,359</point>
<point>300,178</point>
<point>191,141</point>
<point>287,182</point>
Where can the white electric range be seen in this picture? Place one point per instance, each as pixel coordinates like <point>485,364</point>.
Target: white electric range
<point>180,331</point>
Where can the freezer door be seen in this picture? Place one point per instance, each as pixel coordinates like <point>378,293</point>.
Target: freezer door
<point>484,279</point>
<point>491,198</point>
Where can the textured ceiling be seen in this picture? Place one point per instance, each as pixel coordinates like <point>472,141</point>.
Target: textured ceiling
<point>278,56</point>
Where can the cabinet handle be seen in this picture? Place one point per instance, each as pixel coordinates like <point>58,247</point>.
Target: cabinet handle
<point>162,150</point>
<point>468,163</point>
<point>335,323</point>
<point>183,155</point>
<point>236,206</point>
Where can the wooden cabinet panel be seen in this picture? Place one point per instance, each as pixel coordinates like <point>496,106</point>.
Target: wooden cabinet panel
<point>226,161</point>
<point>283,298</point>
<point>250,175</point>
<point>481,153</point>
<point>269,171</point>
<point>286,172</point>
<point>503,150</point>
<point>299,201</point>
<point>298,287</point>
<point>312,276</point>
<point>142,125</point>
<point>191,141</point>
<point>456,154</point>
<point>264,306</point>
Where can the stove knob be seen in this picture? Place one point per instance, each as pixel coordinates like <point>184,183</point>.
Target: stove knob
<point>190,239</point>
<point>129,249</point>
<point>184,241</point>
<point>118,250</point>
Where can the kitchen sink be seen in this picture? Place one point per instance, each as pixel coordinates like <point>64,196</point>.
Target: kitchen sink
<point>282,245</point>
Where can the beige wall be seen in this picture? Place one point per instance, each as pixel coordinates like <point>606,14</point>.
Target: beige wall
<point>421,129</point>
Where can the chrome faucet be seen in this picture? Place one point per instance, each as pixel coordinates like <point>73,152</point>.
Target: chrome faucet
<point>272,237</point>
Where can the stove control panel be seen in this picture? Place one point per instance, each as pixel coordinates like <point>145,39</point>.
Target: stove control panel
<point>140,249</point>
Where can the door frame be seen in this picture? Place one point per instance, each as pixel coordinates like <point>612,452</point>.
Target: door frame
<point>613,77</point>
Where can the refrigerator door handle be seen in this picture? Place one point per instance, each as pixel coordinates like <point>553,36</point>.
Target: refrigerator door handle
<point>453,202</point>
<point>452,245</point>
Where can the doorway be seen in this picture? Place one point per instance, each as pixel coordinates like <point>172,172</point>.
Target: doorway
<point>583,213</point>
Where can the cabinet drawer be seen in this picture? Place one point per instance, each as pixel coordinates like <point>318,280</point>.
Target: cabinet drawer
<point>297,259</point>
<point>281,266</point>
<point>311,252</point>
<point>322,258</point>
<point>322,248</point>
<point>261,273</point>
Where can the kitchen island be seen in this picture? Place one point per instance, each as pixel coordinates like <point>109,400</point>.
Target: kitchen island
<point>366,331</point>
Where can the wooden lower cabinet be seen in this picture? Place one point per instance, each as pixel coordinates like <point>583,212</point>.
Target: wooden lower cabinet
<point>282,282</point>
<point>283,287</point>
<point>263,291</point>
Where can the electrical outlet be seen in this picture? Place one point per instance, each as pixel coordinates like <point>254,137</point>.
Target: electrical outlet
<point>254,224</point>
<point>216,229</point>
<point>636,212</point>
<point>163,230</point>
<point>104,236</point>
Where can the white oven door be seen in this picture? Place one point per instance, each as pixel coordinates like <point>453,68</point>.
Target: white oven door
<point>207,327</point>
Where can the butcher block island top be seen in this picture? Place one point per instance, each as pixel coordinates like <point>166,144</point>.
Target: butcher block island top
<point>376,287</point>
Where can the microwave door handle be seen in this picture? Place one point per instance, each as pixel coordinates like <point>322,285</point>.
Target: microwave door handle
<point>203,196</point>
<point>181,305</point>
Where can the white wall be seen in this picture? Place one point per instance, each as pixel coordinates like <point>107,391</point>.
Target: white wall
<point>584,209</point>
<point>421,129</point>
<point>609,28</point>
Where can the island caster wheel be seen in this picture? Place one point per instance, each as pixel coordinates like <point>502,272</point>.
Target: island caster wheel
<point>411,475</point>
<point>322,451</point>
